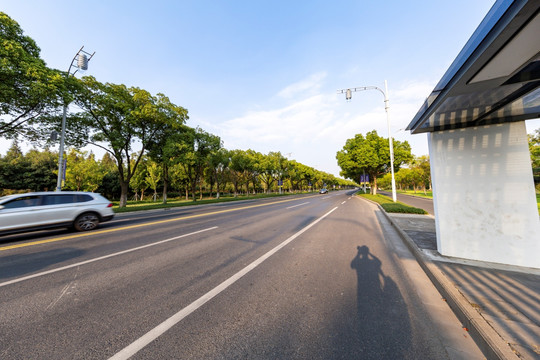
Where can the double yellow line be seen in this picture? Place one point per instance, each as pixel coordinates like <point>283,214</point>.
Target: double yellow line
<point>98,232</point>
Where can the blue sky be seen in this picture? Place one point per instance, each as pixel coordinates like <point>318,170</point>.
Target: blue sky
<point>263,75</point>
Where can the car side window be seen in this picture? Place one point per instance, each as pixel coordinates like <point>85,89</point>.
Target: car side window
<point>59,199</point>
<point>23,201</point>
<point>84,198</point>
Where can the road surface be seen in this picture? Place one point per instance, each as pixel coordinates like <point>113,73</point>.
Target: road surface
<point>300,277</point>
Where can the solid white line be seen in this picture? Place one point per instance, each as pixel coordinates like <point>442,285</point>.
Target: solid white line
<point>290,207</point>
<point>100,258</point>
<point>159,330</point>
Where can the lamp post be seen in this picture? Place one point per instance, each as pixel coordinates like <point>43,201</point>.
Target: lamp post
<point>348,96</point>
<point>80,61</point>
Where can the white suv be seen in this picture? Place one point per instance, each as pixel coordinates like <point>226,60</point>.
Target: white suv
<point>42,210</point>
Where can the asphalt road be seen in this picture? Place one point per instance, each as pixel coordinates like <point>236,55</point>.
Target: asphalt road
<point>303,277</point>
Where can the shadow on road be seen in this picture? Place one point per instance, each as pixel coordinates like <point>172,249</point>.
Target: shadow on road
<point>17,265</point>
<point>383,323</point>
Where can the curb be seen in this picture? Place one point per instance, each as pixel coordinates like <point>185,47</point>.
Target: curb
<point>485,337</point>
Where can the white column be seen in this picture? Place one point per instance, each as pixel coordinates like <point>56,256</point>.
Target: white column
<point>484,196</point>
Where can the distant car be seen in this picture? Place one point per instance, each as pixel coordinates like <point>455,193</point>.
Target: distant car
<point>42,210</point>
<point>323,191</point>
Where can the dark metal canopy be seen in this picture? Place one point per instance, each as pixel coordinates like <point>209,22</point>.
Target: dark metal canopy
<point>496,76</point>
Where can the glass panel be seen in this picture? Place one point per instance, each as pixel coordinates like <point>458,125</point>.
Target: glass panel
<point>24,201</point>
<point>458,110</point>
<point>59,199</point>
<point>84,198</point>
<point>527,105</point>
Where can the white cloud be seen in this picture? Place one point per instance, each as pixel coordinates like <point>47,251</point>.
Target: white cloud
<point>317,125</point>
<point>310,85</point>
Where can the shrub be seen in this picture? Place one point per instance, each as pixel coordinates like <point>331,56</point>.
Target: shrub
<point>393,207</point>
<point>402,208</point>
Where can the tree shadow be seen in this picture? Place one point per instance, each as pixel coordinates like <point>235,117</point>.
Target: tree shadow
<point>382,320</point>
<point>13,266</point>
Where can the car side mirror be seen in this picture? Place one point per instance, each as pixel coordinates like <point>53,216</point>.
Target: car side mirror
<point>2,207</point>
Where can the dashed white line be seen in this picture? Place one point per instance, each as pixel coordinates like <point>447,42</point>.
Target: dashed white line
<point>290,207</point>
<point>159,330</point>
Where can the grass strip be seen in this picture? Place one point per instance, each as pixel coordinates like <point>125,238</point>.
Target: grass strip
<point>393,207</point>
<point>173,203</point>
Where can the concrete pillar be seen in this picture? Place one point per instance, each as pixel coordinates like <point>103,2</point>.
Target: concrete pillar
<point>483,193</point>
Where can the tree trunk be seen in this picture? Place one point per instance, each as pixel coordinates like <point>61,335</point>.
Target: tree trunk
<point>124,193</point>
<point>200,190</point>
<point>165,182</point>
<point>193,190</point>
<point>235,189</point>
<point>374,187</point>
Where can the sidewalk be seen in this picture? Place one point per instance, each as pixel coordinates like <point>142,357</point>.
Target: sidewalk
<point>498,304</point>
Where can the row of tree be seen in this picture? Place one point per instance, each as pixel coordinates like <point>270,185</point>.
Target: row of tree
<point>194,172</point>
<point>134,128</point>
<point>416,176</point>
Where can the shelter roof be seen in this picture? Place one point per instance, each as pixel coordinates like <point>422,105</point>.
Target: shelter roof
<point>496,76</point>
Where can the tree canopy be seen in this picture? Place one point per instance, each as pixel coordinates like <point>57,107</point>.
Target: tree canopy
<point>118,119</point>
<point>371,154</point>
<point>28,88</point>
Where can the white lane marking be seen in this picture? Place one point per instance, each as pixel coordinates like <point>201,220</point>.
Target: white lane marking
<point>100,258</point>
<point>159,330</point>
<point>290,207</point>
<point>344,202</point>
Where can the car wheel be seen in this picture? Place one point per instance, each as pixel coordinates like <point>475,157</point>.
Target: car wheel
<point>86,221</point>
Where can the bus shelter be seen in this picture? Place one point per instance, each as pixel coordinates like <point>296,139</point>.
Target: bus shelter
<point>483,186</point>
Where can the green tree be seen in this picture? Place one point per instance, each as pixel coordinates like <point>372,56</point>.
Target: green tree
<point>110,185</point>
<point>218,163</point>
<point>534,148</point>
<point>28,88</point>
<point>239,166</point>
<point>13,169</point>
<point>43,170</point>
<point>117,118</point>
<point>83,172</point>
<point>423,164</point>
<point>294,175</point>
<point>371,154</point>
<point>153,177</point>
<point>270,168</point>
<point>162,148</point>
<point>138,180</point>
<point>192,152</point>
<point>178,178</point>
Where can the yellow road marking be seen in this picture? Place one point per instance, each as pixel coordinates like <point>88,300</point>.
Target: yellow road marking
<point>138,225</point>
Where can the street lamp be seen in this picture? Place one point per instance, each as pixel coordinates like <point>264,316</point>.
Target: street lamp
<point>348,96</point>
<point>80,61</point>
